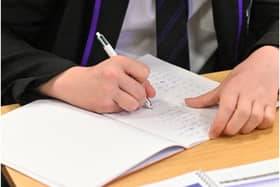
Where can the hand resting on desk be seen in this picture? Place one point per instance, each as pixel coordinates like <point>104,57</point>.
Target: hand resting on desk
<point>247,97</point>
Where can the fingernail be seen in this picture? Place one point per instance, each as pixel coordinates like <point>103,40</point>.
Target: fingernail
<point>212,135</point>
<point>186,100</point>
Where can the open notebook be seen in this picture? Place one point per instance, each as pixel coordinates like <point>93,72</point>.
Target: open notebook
<point>61,145</point>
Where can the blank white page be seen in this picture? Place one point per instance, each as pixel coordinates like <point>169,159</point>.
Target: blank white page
<point>170,118</point>
<point>62,145</point>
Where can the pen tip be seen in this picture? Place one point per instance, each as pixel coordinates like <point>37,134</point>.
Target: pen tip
<point>98,34</point>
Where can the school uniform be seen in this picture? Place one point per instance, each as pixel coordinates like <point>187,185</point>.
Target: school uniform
<point>41,39</point>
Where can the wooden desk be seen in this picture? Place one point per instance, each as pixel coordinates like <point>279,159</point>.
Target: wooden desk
<point>214,154</point>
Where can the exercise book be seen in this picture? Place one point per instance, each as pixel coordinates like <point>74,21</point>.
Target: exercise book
<point>62,145</point>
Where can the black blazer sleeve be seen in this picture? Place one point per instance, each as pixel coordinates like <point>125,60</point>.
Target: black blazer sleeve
<point>25,67</point>
<point>265,23</point>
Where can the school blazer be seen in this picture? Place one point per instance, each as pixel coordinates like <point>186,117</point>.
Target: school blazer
<point>42,38</point>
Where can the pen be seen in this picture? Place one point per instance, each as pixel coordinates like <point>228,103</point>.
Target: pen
<point>111,52</point>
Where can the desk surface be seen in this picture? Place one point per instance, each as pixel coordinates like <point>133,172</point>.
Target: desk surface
<point>214,154</point>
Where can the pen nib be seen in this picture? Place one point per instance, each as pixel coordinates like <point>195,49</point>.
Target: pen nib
<point>148,104</point>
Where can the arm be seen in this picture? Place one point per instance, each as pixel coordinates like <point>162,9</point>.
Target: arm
<point>264,24</point>
<point>29,73</point>
<point>24,67</point>
<point>247,97</point>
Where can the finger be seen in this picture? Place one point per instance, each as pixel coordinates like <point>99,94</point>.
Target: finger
<point>255,119</point>
<point>107,106</point>
<point>240,116</point>
<point>133,88</point>
<point>136,69</point>
<point>116,108</point>
<point>269,117</point>
<point>150,90</point>
<point>205,100</point>
<point>226,109</point>
<point>126,101</point>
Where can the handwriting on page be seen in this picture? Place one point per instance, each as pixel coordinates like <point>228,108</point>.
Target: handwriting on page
<point>177,123</point>
<point>170,118</point>
<point>175,89</point>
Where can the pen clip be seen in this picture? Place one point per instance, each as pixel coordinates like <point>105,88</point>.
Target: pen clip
<point>102,39</point>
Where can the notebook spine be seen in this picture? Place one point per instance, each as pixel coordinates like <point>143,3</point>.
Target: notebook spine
<point>206,179</point>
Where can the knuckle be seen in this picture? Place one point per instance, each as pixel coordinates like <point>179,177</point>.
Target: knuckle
<point>107,105</point>
<point>231,129</point>
<point>108,89</point>
<point>248,128</point>
<point>243,112</point>
<point>256,117</point>
<point>145,70</point>
<point>228,108</point>
<point>270,117</point>
<point>230,132</point>
<point>204,100</point>
<point>111,73</point>
<point>132,106</point>
<point>270,120</point>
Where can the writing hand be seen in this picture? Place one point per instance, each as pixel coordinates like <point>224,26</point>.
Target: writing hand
<point>113,85</point>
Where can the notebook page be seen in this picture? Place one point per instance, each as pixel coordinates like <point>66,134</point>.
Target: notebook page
<point>62,145</point>
<point>170,118</point>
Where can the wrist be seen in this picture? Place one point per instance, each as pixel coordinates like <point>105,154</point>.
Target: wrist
<point>270,52</point>
<point>59,83</point>
<point>267,55</point>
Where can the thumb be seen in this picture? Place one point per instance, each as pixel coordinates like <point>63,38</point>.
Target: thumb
<point>208,99</point>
